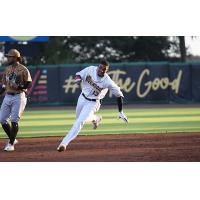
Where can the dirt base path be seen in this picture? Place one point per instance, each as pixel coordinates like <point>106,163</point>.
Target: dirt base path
<point>108,148</point>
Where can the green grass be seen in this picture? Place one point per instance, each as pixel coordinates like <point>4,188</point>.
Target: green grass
<point>148,120</point>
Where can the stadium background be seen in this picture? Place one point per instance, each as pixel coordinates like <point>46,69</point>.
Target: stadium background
<point>162,92</point>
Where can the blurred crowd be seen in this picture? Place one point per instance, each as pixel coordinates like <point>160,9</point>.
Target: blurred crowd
<point>2,52</point>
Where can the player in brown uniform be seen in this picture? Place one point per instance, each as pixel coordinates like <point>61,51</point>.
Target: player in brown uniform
<point>15,82</point>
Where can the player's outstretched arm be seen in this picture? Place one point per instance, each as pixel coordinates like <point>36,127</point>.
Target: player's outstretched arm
<point>120,108</point>
<point>118,93</point>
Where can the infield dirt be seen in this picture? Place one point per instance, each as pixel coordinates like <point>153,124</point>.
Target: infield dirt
<point>108,148</point>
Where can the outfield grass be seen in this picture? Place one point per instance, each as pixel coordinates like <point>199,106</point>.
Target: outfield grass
<point>148,120</point>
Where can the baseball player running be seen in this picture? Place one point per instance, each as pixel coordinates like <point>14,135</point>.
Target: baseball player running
<point>15,81</point>
<point>95,85</point>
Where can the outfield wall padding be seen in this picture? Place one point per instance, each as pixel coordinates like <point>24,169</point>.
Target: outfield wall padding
<point>140,82</point>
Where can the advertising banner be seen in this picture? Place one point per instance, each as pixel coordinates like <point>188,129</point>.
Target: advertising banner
<point>139,82</point>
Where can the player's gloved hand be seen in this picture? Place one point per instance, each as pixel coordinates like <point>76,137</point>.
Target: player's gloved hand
<point>123,116</point>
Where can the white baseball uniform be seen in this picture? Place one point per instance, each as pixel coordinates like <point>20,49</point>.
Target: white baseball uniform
<point>94,88</point>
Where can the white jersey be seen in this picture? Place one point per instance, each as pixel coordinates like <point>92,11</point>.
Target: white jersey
<point>96,87</point>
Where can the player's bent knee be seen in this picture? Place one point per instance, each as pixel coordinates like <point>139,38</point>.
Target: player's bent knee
<point>15,119</point>
<point>3,121</point>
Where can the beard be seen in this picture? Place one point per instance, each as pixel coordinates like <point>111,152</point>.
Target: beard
<point>10,62</point>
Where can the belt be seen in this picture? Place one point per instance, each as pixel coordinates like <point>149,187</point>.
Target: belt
<point>12,93</point>
<point>88,98</point>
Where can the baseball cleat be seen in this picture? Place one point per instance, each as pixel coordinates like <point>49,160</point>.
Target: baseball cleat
<point>15,142</point>
<point>97,122</point>
<point>9,147</point>
<point>61,148</point>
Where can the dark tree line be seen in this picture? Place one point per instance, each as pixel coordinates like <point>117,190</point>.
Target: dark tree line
<point>90,49</point>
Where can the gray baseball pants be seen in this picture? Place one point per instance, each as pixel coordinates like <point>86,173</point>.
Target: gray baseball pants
<point>12,107</point>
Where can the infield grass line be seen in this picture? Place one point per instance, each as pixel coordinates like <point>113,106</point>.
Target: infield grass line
<point>151,120</point>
